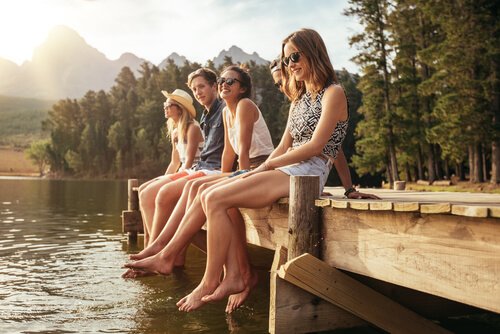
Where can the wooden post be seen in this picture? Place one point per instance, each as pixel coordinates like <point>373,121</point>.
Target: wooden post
<point>293,310</point>
<point>303,217</point>
<point>133,205</point>
<point>133,195</point>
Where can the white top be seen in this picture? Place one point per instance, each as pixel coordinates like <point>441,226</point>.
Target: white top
<point>261,144</point>
<point>182,148</point>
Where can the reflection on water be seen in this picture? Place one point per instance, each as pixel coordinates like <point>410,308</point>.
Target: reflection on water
<point>61,251</point>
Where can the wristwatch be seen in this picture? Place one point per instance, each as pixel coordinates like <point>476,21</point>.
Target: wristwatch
<point>349,190</point>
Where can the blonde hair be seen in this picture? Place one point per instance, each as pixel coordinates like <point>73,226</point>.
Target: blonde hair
<point>313,49</point>
<point>182,124</point>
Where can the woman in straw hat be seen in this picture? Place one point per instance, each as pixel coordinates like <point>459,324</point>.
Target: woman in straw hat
<point>187,142</point>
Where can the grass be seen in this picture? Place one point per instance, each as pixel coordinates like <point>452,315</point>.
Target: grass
<point>14,162</point>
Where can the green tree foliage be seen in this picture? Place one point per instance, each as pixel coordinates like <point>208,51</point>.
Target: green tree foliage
<point>430,87</point>
<point>39,154</point>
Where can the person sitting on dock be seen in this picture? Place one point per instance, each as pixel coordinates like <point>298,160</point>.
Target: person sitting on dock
<point>316,128</point>
<point>187,141</point>
<point>246,137</point>
<point>158,199</point>
<point>340,161</point>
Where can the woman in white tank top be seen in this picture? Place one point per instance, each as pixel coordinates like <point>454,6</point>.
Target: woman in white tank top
<point>246,134</point>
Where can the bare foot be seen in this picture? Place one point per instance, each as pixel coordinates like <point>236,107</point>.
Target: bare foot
<point>151,250</point>
<point>229,286</point>
<point>159,263</point>
<point>131,273</point>
<point>236,300</point>
<point>194,300</point>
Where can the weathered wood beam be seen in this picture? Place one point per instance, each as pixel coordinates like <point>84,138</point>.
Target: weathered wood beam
<point>318,278</point>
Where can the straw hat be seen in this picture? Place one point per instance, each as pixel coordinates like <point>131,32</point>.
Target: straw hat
<point>183,98</point>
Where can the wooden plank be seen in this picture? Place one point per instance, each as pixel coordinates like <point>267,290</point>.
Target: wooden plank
<point>454,257</point>
<point>317,277</point>
<point>133,196</point>
<point>339,204</point>
<point>469,210</point>
<point>435,208</point>
<point>294,310</point>
<point>380,206</point>
<point>321,202</point>
<point>406,206</point>
<point>359,205</point>
<point>494,212</point>
<point>267,227</point>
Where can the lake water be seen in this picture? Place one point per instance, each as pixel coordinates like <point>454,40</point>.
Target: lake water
<point>61,252</point>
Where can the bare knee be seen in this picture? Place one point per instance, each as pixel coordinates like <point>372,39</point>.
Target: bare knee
<point>211,199</point>
<point>146,197</point>
<point>164,197</point>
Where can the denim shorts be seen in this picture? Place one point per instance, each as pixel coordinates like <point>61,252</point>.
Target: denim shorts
<point>315,166</point>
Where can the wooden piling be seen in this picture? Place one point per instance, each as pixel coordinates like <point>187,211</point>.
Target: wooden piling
<point>303,221</point>
<point>131,218</point>
<point>293,310</point>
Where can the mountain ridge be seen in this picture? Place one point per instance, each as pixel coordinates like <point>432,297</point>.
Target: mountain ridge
<point>56,72</point>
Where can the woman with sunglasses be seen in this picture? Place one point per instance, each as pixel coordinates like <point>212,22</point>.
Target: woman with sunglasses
<point>316,127</point>
<point>246,137</point>
<point>187,142</point>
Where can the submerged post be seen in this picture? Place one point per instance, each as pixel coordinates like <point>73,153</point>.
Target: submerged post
<point>303,217</point>
<point>131,218</point>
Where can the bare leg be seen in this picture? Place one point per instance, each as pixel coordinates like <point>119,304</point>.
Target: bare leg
<point>147,196</point>
<point>255,191</point>
<point>163,262</point>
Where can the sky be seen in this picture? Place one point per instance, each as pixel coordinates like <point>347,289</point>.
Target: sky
<point>196,29</point>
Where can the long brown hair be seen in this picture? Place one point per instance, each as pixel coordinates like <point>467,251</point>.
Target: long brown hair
<point>313,49</point>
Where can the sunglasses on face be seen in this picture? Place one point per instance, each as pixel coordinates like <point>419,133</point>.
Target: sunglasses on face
<point>170,105</point>
<point>294,57</point>
<point>228,81</point>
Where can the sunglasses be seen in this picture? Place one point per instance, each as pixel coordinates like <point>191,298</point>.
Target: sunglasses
<point>294,57</point>
<point>169,105</point>
<point>278,84</point>
<point>228,81</point>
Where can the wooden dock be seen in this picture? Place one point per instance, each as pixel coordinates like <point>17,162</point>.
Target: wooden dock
<point>393,263</point>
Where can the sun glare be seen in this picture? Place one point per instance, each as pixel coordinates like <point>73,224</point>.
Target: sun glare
<point>23,26</point>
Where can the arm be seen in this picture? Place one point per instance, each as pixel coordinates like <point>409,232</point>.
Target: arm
<point>345,177</point>
<point>175,160</point>
<point>228,154</point>
<point>194,138</point>
<point>247,115</point>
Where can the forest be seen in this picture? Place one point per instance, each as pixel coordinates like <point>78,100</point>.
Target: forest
<point>425,104</point>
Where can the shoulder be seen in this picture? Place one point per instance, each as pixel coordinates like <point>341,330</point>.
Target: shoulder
<point>335,99</point>
<point>246,103</point>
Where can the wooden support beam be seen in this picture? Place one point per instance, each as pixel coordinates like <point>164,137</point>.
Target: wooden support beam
<point>133,206</point>
<point>318,278</point>
<point>294,310</point>
<point>303,217</point>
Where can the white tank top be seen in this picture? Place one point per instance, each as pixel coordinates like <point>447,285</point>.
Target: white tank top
<point>261,144</point>
<point>182,150</point>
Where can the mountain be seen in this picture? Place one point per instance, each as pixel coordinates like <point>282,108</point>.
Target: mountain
<point>238,56</point>
<point>65,66</point>
<point>178,60</point>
